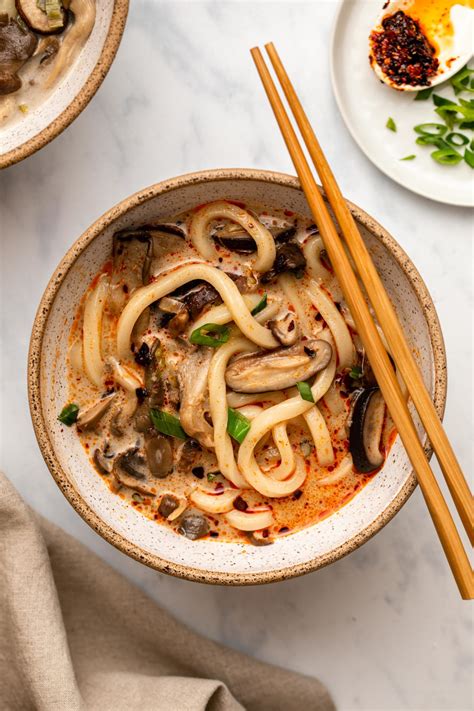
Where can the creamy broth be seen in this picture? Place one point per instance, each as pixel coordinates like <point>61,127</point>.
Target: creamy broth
<point>30,74</point>
<point>257,426</point>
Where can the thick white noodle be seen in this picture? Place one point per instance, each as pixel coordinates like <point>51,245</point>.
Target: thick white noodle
<point>221,314</point>
<point>215,503</point>
<point>75,38</point>
<point>237,400</point>
<point>343,468</point>
<point>309,326</point>
<point>126,377</point>
<point>244,521</point>
<point>92,331</point>
<point>218,408</point>
<point>263,423</point>
<point>315,268</point>
<point>228,291</point>
<point>203,242</point>
<point>337,325</point>
<point>320,434</point>
<point>250,411</point>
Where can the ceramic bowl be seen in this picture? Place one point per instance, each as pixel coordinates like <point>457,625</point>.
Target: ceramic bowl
<point>124,527</point>
<point>73,92</point>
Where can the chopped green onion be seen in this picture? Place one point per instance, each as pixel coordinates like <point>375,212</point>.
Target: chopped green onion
<point>391,125</point>
<point>23,108</point>
<point>441,101</point>
<point>461,81</point>
<point>167,424</point>
<point>425,129</point>
<point>136,497</point>
<point>412,156</point>
<point>467,103</point>
<point>467,124</point>
<point>447,156</point>
<point>432,141</point>
<point>424,94</point>
<point>305,391</point>
<point>461,139</point>
<point>202,336</point>
<point>355,372</point>
<point>449,117</point>
<point>237,425</point>
<point>54,13</point>
<point>69,414</point>
<point>469,157</point>
<point>211,476</point>
<point>260,306</point>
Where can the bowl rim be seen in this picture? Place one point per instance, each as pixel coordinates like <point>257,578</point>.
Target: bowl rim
<point>34,382</point>
<point>86,93</point>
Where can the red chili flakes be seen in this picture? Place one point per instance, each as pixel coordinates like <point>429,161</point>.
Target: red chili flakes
<point>403,51</point>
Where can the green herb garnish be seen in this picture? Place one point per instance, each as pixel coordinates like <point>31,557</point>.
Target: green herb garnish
<point>469,157</point>
<point>167,424</point>
<point>461,81</point>
<point>237,425</point>
<point>424,94</point>
<point>457,139</point>
<point>69,414</point>
<point>203,336</point>
<point>355,372</point>
<point>260,306</point>
<point>430,129</point>
<point>136,497</point>
<point>412,156</point>
<point>447,156</point>
<point>391,125</point>
<point>212,476</point>
<point>304,390</point>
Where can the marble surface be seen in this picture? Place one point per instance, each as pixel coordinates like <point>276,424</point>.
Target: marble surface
<point>383,628</point>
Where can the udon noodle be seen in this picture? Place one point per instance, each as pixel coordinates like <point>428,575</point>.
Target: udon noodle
<point>217,380</point>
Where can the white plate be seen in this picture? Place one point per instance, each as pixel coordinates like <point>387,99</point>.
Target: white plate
<point>365,104</point>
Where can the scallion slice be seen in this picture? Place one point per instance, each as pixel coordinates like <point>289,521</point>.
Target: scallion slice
<point>430,129</point>
<point>412,156</point>
<point>447,156</point>
<point>53,9</point>
<point>260,306</point>
<point>167,424</point>
<point>432,141</point>
<point>304,390</point>
<point>469,157</point>
<point>424,94</point>
<point>457,139</point>
<point>211,334</point>
<point>237,425</point>
<point>69,414</point>
<point>462,81</point>
<point>391,125</point>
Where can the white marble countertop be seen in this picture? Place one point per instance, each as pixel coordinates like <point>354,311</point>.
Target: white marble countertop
<point>384,628</point>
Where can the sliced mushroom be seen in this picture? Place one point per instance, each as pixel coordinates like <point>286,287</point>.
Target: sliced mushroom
<point>123,415</point>
<point>103,463</point>
<point>179,323</point>
<point>168,504</point>
<point>171,306</point>
<point>90,418</point>
<point>49,48</point>
<point>200,297</point>
<point>192,378</point>
<point>17,44</point>
<point>187,454</point>
<point>285,328</point>
<point>159,455</point>
<point>37,19</point>
<point>193,525</point>
<point>289,258</point>
<point>131,253</point>
<point>246,283</point>
<point>130,470</point>
<point>278,369</point>
<point>366,430</point>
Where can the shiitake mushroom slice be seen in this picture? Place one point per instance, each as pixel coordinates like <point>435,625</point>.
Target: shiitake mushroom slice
<point>37,19</point>
<point>366,430</point>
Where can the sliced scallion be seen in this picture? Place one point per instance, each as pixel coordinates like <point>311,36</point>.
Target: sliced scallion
<point>462,81</point>
<point>211,334</point>
<point>447,156</point>
<point>412,156</point>
<point>424,94</point>
<point>457,139</point>
<point>260,306</point>
<point>167,424</point>
<point>469,157</point>
<point>237,425</point>
<point>391,125</point>
<point>305,391</point>
<point>430,129</point>
<point>69,414</point>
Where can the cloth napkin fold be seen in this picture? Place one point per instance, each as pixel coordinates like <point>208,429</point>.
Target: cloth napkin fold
<point>76,635</point>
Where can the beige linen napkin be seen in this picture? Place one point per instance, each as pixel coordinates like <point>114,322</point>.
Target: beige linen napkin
<point>74,634</point>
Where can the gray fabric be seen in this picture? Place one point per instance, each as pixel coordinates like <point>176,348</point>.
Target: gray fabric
<point>74,634</point>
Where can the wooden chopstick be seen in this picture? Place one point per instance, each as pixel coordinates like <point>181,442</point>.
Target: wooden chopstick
<point>376,352</point>
<point>383,308</point>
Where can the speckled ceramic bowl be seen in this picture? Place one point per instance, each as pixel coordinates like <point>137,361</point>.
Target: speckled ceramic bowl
<point>124,527</point>
<point>73,92</point>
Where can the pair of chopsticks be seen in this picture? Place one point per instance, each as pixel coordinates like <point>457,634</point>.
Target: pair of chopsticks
<point>388,321</point>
